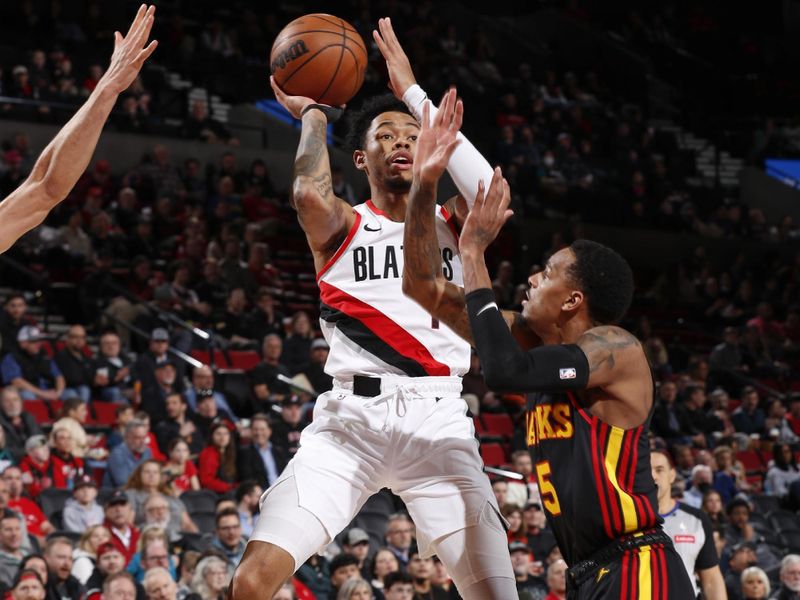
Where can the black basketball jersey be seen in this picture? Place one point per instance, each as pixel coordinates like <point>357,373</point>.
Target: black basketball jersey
<point>595,479</point>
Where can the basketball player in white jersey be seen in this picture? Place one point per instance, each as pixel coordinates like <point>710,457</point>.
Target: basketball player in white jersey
<point>394,417</point>
<point>66,157</point>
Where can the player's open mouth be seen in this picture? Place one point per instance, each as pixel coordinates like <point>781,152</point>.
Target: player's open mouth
<point>402,160</point>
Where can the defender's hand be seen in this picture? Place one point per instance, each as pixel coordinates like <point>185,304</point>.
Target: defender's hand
<point>401,77</point>
<point>488,215</point>
<point>438,140</point>
<point>130,52</point>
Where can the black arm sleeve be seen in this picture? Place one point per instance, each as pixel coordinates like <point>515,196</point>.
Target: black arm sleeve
<point>506,366</point>
<point>707,557</point>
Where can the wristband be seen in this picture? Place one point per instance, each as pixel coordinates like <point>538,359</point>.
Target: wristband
<point>332,113</point>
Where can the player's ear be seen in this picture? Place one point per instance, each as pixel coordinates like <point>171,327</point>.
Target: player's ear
<point>360,160</point>
<point>573,301</point>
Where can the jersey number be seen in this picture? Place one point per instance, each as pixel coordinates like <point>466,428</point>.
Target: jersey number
<point>546,489</point>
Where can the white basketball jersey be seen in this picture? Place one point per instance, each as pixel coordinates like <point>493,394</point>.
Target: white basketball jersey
<point>371,326</point>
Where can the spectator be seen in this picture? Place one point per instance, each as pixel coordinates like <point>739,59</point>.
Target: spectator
<point>159,584</point>
<point>127,456</point>
<point>517,532</point>
<point>37,468</point>
<point>84,557</point>
<point>154,397</point>
<point>208,413</point>
<point>742,556</point>
<point>755,584</point>
<point>6,458</point>
<point>557,581</point>
<point>217,461</point>
<point>144,369</point>
<point>355,589</point>
<point>153,552</point>
<point>30,370</point>
<point>749,418</point>
<point>500,489</point>
<point>37,564</point>
<point>782,473</point>
<point>398,586</point>
<point>60,582</point>
<point>264,377</point>
<point>112,370</point>
<point>714,508</point>
<point>264,319</point>
<point>790,578</point>
<point>123,415</point>
<point>211,578</point>
<point>74,414</point>
<point>248,495</point>
<point>75,366</point>
<point>180,470</point>
<point>540,538</point>
<point>699,421</point>
<point>158,513</point>
<point>27,585</point>
<point>200,126</point>
<point>287,430</point>
<point>228,535</point>
<point>701,484</point>
<point>12,319</point>
<point>119,586</point>
<point>740,530</point>
<point>19,426</point>
<point>297,346</point>
<point>261,460</point>
<point>725,477</point>
<point>232,324</point>
<point>357,544</point>
<point>66,467</point>
<point>521,563</point>
<point>383,563</point>
<point>10,545</point>
<point>344,567</point>
<point>178,425</point>
<point>203,381</point>
<point>315,575</point>
<point>520,493</point>
<point>667,419</point>
<point>145,482</point>
<point>399,535</point>
<point>35,521</point>
<point>314,370</point>
<point>110,561</point>
<point>119,519</point>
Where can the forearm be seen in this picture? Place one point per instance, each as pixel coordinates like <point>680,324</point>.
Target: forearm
<point>423,279</point>
<point>506,367</point>
<point>312,172</point>
<point>476,275</point>
<point>467,165</point>
<point>19,382</point>
<point>712,584</point>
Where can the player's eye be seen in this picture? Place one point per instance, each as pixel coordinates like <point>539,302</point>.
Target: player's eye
<point>386,136</point>
<point>413,138</point>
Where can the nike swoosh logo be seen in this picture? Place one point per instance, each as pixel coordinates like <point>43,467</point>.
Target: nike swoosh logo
<point>368,228</point>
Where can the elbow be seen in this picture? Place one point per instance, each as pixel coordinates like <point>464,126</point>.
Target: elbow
<point>303,194</point>
<point>494,378</point>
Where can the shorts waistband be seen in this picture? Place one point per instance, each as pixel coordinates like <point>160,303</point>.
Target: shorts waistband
<point>370,386</point>
<point>584,570</point>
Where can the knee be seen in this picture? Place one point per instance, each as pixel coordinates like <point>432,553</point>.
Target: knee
<point>246,584</point>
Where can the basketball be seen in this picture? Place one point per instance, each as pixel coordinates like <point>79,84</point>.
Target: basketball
<point>321,57</point>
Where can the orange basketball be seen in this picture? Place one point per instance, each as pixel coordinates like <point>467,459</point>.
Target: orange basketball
<point>319,56</point>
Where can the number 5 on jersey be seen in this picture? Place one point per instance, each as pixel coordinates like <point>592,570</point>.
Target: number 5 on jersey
<point>546,489</point>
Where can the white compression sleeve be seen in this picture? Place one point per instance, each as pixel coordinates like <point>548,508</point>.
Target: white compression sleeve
<point>467,165</point>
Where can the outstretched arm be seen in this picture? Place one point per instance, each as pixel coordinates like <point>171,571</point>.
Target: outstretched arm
<point>466,165</point>
<point>324,217</point>
<point>66,157</point>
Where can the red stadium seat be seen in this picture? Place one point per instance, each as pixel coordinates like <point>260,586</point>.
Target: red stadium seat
<point>493,455</point>
<point>38,410</point>
<point>204,356</point>
<point>498,424</point>
<point>105,413</point>
<point>55,408</point>
<point>751,461</point>
<point>479,427</point>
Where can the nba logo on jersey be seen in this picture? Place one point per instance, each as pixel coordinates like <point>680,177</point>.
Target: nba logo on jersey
<point>567,373</point>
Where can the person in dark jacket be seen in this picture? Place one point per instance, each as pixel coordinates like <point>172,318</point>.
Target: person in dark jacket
<point>790,579</point>
<point>17,424</point>
<point>12,319</point>
<point>75,366</point>
<point>30,370</point>
<point>261,461</point>
<point>61,584</point>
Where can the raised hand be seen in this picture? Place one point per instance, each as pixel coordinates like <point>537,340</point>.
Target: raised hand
<point>438,139</point>
<point>130,51</point>
<point>401,77</point>
<point>487,217</point>
<point>294,104</point>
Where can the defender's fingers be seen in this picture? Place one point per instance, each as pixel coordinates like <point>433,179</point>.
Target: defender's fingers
<point>137,19</point>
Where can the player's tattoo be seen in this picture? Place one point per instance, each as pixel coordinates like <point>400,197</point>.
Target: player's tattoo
<point>311,160</point>
<point>602,346</point>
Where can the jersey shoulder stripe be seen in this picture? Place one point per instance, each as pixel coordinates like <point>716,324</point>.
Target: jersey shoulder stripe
<point>372,327</point>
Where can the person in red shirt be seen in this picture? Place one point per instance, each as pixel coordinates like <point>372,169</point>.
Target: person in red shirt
<point>181,471</point>
<point>118,521</point>
<point>65,466</point>
<point>35,520</point>
<point>218,459</point>
<point>557,581</point>
<point>151,440</point>
<point>37,473</point>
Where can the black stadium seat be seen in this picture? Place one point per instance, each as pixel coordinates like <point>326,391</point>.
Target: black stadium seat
<point>52,501</point>
<point>205,521</point>
<point>200,501</point>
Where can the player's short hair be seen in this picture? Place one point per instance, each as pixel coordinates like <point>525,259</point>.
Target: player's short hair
<point>359,120</point>
<point>605,278</point>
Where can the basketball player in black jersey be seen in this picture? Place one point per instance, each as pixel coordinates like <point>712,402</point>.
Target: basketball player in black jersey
<point>591,388</point>
<point>65,158</point>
